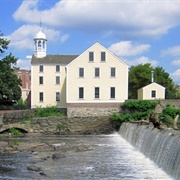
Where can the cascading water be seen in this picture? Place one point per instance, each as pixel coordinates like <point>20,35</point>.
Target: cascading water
<point>161,146</point>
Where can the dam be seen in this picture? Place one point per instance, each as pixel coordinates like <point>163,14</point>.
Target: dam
<point>160,146</point>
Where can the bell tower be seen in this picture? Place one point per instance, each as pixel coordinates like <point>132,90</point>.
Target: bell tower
<point>40,44</point>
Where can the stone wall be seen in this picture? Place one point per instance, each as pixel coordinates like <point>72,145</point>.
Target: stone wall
<point>16,116</point>
<point>92,109</point>
<point>64,125</point>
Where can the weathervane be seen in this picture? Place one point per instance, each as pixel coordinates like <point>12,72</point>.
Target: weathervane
<point>40,23</point>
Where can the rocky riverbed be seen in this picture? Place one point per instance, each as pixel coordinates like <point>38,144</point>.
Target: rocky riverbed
<point>41,152</point>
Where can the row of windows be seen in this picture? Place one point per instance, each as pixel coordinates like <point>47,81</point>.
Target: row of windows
<point>41,97</point>
<point>97,72</point>
<point>41,68</point>
<point>97,92</point>
<point>91,56</point>
<point>81,94</point>
<point>41,80</point>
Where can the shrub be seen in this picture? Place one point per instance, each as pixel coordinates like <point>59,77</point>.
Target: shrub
<point>47,111</point>
<point>168,115</point>
<point>134,110</point>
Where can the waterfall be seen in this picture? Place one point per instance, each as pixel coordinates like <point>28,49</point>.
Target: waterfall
<point>161,146</point>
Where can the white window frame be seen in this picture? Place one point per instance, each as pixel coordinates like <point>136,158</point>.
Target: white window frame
<point>41,68</point>
<point>153,93</point>
<point>114,75</point>
<point>80,92</point>
<point>91,60</point>
<point>104,60</point>
<point>41,97</point>
<point>81,75</point>
<point>58,81</point>
<point>96,75</point>
<point>58,99</point>
<point>58,67</point>
<point>112,93</point>
<point>95,88</point>
<point>41,80</point>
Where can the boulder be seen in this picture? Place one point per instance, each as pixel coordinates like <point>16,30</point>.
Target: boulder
<point>33,168</point>
<point>58,155</point>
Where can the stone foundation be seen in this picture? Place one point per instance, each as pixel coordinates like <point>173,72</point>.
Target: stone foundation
<point>92,109</point>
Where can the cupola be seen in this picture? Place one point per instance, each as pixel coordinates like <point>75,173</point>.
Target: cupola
<point>40,44</point>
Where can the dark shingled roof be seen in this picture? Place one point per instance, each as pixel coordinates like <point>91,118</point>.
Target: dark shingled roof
<point>54,59</point>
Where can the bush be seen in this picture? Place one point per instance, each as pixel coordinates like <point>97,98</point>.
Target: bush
<point>134,110</point>
<point>47,111</point>
<point>168,115</point>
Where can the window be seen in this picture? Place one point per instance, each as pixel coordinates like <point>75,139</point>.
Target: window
<point>113,72</point>
<point>57,79</point>
<point>57,96</point>
<point>41,80</point>
<point>81,72</point>
<point>91,56</point>
<point>57,68</point>
<point>103,56</point>
<point>153,93</point>
<point>112,93</point>
<point>41,68</point>
<point>81,93</point>
<point>41,97</point>
<point>96,93</point>
<point>97,72</point>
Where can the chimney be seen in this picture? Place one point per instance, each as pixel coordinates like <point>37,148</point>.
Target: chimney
<point>152,76</point>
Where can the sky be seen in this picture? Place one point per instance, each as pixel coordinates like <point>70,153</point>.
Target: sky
<point>137,31</point>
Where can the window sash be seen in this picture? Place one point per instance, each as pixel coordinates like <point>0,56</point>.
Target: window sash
<point>91,56</point>
<point>103,56</point>
<point>97,72</point>
<point>113,72</point>
<point>112,94</point>
<point>153,93</point>
<point>57,96</point>
<point>96,92</point>
<point>81,72</point>
<point>81,93</point>
<point>41,80</point>
<point>41,97</point>
<point>57,79</point>
<point>57,68</point>
<point>41,68</point>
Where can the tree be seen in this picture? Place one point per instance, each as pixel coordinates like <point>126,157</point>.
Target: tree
<point>140,76</point>
<point>10,90</point>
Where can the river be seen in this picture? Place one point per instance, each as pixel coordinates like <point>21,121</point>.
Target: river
<point>108,157</point>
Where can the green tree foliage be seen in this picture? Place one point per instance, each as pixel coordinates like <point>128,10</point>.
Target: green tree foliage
<point>9,82</point>
<point>140,76</point>
<point>133,110</point>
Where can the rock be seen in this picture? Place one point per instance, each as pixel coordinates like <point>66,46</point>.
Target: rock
<point>58,155</point>
<point>58,146</point>
<point>83,147</point>
<point>176,122</point>
<point>43,173</point>
<point>33,168</point>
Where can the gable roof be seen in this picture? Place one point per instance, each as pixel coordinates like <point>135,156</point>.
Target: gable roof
<point>97,43</point>
<point>153,83</point>
<point>53,59</point>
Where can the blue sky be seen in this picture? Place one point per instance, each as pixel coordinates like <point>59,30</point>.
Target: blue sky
<point>138,31</point>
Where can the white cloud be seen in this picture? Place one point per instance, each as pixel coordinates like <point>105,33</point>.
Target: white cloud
<point>22,38</point>
<point>176,76</point>
<point>142,60</point>
<point>126,48</point>
<point>124,18</point>
<point>24,64</point>
<point>176,62</point>
<point>171,51</point>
